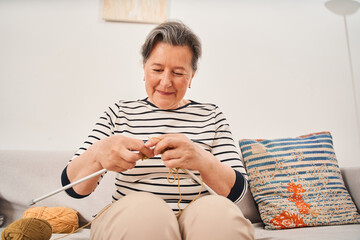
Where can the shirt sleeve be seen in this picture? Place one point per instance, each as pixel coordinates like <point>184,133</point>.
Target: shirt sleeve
<point>103,128</point>
<point>225,150</point>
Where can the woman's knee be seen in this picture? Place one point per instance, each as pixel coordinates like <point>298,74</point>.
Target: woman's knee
<point>215,217</point>
<point>213,204</point>
<point>143,203</point>
<point>136,211</point>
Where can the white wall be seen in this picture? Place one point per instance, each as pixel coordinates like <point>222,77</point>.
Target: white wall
<point>277,68</point>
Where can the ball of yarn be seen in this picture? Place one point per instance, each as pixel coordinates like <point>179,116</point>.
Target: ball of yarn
<point>61,219</point>
<point>27,229</point>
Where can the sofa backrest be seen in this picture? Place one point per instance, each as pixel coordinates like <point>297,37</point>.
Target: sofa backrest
<point>27,175</point>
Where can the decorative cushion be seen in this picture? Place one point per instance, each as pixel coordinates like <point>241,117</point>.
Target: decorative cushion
<point>296,182</point>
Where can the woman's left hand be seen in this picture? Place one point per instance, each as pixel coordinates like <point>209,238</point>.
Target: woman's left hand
<point>178,151</point>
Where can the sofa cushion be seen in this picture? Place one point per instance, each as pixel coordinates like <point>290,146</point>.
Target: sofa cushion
<point>296,182</point>
<point>343,232</point>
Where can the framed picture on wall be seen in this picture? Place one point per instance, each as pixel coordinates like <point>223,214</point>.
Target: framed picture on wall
<point>141,11</point>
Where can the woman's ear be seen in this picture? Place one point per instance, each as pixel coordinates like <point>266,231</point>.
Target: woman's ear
<point>193,74</point>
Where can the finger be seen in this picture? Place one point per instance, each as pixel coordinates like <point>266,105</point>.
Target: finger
<point>153,141</point>
<point>170,154</point>
<point>134,144</point>
<point>138,145</point>
<point>173,163</point>
<point>164,145</point>
<point>146,152</point>
<point>127,165</point>
<point>130,156</point>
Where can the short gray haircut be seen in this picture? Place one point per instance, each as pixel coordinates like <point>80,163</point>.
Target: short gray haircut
<point>175,33</point>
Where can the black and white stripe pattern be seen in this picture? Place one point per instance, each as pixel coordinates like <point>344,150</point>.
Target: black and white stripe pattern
<point>203,123</point>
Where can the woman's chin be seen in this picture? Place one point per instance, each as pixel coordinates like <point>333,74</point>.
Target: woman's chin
<point>165,104</point>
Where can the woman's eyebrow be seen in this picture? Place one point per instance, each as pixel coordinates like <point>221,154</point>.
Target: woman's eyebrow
<point>160,65</point>
<point>157,64</point>
<point>180,68</point>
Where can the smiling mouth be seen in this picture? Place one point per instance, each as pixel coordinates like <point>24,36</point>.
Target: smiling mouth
<point>164,93</point>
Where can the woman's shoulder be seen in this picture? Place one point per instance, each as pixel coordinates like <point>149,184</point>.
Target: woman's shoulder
<point>203,105</point>
<point>144,103</point>
<point>128,103</point>
<point>125,105</point>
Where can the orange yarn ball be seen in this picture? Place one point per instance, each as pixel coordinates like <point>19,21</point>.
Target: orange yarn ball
<point>61,219</point>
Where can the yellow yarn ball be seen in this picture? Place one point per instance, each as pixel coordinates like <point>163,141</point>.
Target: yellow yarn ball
<point>27,229</point>
<point>62,219</point>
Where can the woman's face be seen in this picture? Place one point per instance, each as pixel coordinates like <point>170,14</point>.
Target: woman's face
<point>168,74</point>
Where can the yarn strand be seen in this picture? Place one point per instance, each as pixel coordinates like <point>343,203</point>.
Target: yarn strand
<point>177,178</point>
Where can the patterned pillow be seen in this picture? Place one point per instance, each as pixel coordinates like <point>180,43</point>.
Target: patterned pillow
<point>296,182</point>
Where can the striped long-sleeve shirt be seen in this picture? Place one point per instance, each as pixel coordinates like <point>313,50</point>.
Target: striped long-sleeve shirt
<point>203,123</point>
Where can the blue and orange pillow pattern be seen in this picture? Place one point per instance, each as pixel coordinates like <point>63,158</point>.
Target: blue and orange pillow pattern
<point>296,182</point>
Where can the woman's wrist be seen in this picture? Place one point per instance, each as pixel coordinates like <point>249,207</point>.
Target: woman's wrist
<point>91,158</point>
<point>209,165</point>
<point>218,176</point>
<point>83,165</point>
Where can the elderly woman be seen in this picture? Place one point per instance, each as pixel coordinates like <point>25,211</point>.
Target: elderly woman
<point>154,198</point>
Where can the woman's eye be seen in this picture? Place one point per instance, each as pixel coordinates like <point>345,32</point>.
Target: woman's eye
<point>157,70</point>
<point>179,74</point>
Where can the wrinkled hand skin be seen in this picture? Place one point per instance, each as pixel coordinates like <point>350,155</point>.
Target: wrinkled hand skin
<point>119,153</point>
<point>178,151</point>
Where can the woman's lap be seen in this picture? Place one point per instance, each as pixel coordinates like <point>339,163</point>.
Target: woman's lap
<point>146,216</point>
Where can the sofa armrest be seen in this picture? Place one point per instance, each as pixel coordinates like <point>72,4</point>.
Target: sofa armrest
<point>351,178</point>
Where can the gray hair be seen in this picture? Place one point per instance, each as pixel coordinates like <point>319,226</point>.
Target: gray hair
<point>175,33</point>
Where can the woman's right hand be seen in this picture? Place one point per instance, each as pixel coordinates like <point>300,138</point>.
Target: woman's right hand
<point>115,153</point>
<point>119,153</point>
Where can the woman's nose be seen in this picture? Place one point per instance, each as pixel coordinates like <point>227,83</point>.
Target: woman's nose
<point>166,80</point>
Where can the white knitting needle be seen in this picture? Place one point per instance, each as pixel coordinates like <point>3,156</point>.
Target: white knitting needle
<point>193,176</point>
<point>33,201</point>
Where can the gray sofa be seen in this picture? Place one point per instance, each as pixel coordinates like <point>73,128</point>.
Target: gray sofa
<point>25,175</point>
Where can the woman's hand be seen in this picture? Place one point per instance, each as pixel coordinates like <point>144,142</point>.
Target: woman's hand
<point>178,151</point>
<point>116,153</point>
<point>119,153</point>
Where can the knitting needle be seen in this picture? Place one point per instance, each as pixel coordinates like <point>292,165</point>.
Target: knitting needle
<point>193,176</point>
<point>33,201</point>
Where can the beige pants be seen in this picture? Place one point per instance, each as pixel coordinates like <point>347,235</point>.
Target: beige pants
<point>145,216</point>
